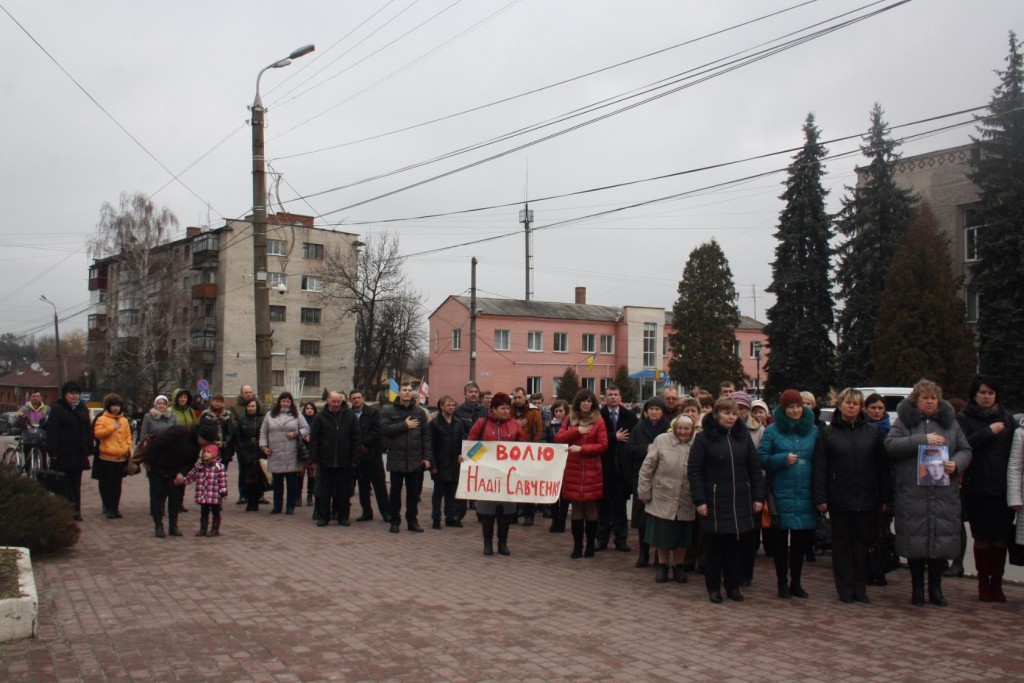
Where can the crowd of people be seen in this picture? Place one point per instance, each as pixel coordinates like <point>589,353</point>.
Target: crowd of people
<point>711,479</point>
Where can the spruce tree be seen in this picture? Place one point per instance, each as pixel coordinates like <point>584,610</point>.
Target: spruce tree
<point>627,386</point>
<point>999,274</point>
<point>921,330</point>
<point>568,385</point>
<point>800,322</point>
<point>705,317</point>
<point>873,219</point>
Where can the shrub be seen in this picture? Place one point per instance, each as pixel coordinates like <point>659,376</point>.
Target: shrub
<point>34,518</point>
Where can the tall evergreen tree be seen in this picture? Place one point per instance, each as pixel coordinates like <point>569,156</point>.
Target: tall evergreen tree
<point>568,385</point>
<point>799,325</point>
<point>921,330</point>
<point>705,317</point>
<point>999,274</point>
<point>627,386</point>
<point>873,219</point>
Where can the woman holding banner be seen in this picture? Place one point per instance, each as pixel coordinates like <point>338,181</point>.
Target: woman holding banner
<point>583,483</point>
<point>498,425</point>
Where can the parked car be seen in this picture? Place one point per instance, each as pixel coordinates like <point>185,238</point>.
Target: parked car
<point>892,396</point>
<point>7,422</point>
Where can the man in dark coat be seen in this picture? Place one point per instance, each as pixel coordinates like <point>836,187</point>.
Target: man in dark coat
<point>404,426</point>
<point>371,463</point>
<point>446,435</point>
<point>170,456</point>
<point>617,470</point>
<point>335,447</point>
<point>69,442</point>
<point>473,408</point>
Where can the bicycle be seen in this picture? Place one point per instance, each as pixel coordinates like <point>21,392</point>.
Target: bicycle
<point>28,465</point>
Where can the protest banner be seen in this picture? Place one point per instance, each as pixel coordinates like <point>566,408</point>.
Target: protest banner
<point>512,471</point>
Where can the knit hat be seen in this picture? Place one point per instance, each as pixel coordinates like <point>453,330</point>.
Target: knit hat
<point>207,432</point>
<point>161,396</point>
<point>500,399</point>
<point>742,398</point>
<point>212,450</point>
<point>655,402</point>
<point>760,404</point>
<point>790,397</point>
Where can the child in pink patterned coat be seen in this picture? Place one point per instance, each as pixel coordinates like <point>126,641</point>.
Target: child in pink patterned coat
<point>211,486</point>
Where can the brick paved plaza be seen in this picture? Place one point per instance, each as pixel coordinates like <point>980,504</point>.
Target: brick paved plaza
<point>278,599</point>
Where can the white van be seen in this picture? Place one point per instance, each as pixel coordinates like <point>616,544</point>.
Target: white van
<point>892,396</point>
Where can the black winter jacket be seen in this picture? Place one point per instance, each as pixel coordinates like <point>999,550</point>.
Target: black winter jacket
<point>246,437</point>
<point>334,439</point>
<point>642,436</point>
<point>69,436</point>
<point>469,414</point>
<point>173,451</point>
<point>852,472</point>
<point>407,448</point>
<point>447,441</point>
<point>725,474</point>
<point>990,452</point>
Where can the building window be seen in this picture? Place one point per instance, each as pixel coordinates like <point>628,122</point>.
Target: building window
<point>533,385</point>
<point>310,316</point>
<point>755,349</point>
<point>555,383</point>
<point>310,378</point>
<point>588,383</point>
<point>309,347</point>
<point>587,345</point>
<point>275,279</point>
<point>534,341</point>
<point>561,342</point>
<point>737,349</point>
<point>277,378</point>
<point>605,382</point>
<point>312,283</point>
<point>972,305</point>
<point>972,224</point>
<point>314,251</point>
<point>278,314</point>
<point>456,340</point>
<point>276,247</point>
<point>607,343</point>
<point>650,344</point>
<point>501,342</point>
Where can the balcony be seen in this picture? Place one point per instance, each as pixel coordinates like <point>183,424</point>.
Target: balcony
<point>207,290</point>
<point>203,324</point>
<point>205,252</point>
<point>203,349</point>
<point>98,277</point>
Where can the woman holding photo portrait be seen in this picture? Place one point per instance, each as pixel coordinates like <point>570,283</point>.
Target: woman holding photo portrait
<point>927,517</point>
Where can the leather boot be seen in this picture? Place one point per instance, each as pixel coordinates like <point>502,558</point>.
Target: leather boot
<point>503,524</point>
<point>645,556</point>
<point>487,524</point>
<point>215,528</point>
<point>577,539</point>
<point>204,524</point>
<point>661,575</point>
<point>998,559</point>
<point>590,527</point>
<point>173,530</point>
<point>935,569</point>
<point>679,573</point>
<point>916,582</point>
<point>983,563</point>
<point>160,530</point>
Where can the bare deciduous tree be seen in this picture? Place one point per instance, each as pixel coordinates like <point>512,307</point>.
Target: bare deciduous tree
<point>371,286</point>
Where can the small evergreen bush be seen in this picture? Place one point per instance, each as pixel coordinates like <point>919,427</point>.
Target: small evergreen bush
<point>32,517</point>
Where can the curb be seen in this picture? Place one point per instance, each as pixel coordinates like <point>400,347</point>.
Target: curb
<point>19,616</point>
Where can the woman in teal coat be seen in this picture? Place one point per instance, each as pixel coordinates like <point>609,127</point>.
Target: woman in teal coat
<point>787,452</point>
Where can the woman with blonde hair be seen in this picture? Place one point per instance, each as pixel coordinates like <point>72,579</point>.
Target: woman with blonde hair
<point>664,488</point>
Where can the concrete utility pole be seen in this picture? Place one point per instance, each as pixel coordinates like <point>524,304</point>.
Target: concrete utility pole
<point>472,320</point>
<point>526,217</point>
<point>56,339</point>
<point>261,295</point>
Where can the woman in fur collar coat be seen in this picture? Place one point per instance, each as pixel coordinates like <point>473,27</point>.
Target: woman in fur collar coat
<point>159,418</point>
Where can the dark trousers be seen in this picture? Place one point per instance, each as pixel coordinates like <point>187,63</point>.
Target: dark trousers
<point>611,512</point>
<point>282,481</point>
<point>413,482</point>
<point>851,537</point>
<point>206,510</point>
<point>162,491</point>
<point>371,476</point>
<point>335,486</point>
<point>443,491</point>
<point>109,476</point>
<point>748,552</point>
<point>241,482</point>
<point>72,489</point>
<point>789,547</point>
<point>723,552</point>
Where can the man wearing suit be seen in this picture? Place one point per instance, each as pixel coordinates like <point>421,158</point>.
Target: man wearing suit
<point>371,465</point>
<point>611,511</point>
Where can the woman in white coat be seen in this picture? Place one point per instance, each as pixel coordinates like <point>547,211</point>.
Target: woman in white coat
<point>280,435</point>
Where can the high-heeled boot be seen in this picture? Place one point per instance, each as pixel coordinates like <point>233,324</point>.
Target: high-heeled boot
<point>577,539</point>
<point>983,563</point>
<point>487,524</point>
<point>916,582</point>
<point>998,559</point>
<point>590,527</point>
<point>503,525</point>
<point>935,569</point>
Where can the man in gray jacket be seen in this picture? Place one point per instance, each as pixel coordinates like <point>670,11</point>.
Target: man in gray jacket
<point>404,426</point>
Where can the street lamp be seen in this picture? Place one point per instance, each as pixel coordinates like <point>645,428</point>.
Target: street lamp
<point>757,357</point>
<point>261,295</point>
<point>56,338</point>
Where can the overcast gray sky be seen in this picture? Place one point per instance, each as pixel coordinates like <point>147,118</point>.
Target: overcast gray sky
<point>179,77</point>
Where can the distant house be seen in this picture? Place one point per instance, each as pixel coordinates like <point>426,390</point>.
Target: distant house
<point>16,385</point>
<point>530,344</point>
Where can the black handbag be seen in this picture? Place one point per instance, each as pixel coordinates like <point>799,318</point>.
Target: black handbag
<point>882,557</point>
<point>1015,551</point>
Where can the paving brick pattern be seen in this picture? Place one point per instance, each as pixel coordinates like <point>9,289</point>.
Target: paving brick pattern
<point>278,599</point>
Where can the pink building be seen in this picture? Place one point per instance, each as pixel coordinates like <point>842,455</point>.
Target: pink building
<point>530,344</point>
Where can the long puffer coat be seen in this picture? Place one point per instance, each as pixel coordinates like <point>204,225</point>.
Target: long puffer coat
<point>725,474</point>
<point>1015,481</point>
<point>663,485</point>
<point>584,479</point>
<point>69,436</point>
<point>852,474</point>
<point>284,452</point>
<point>927,517</point>
<point>791,487</point>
